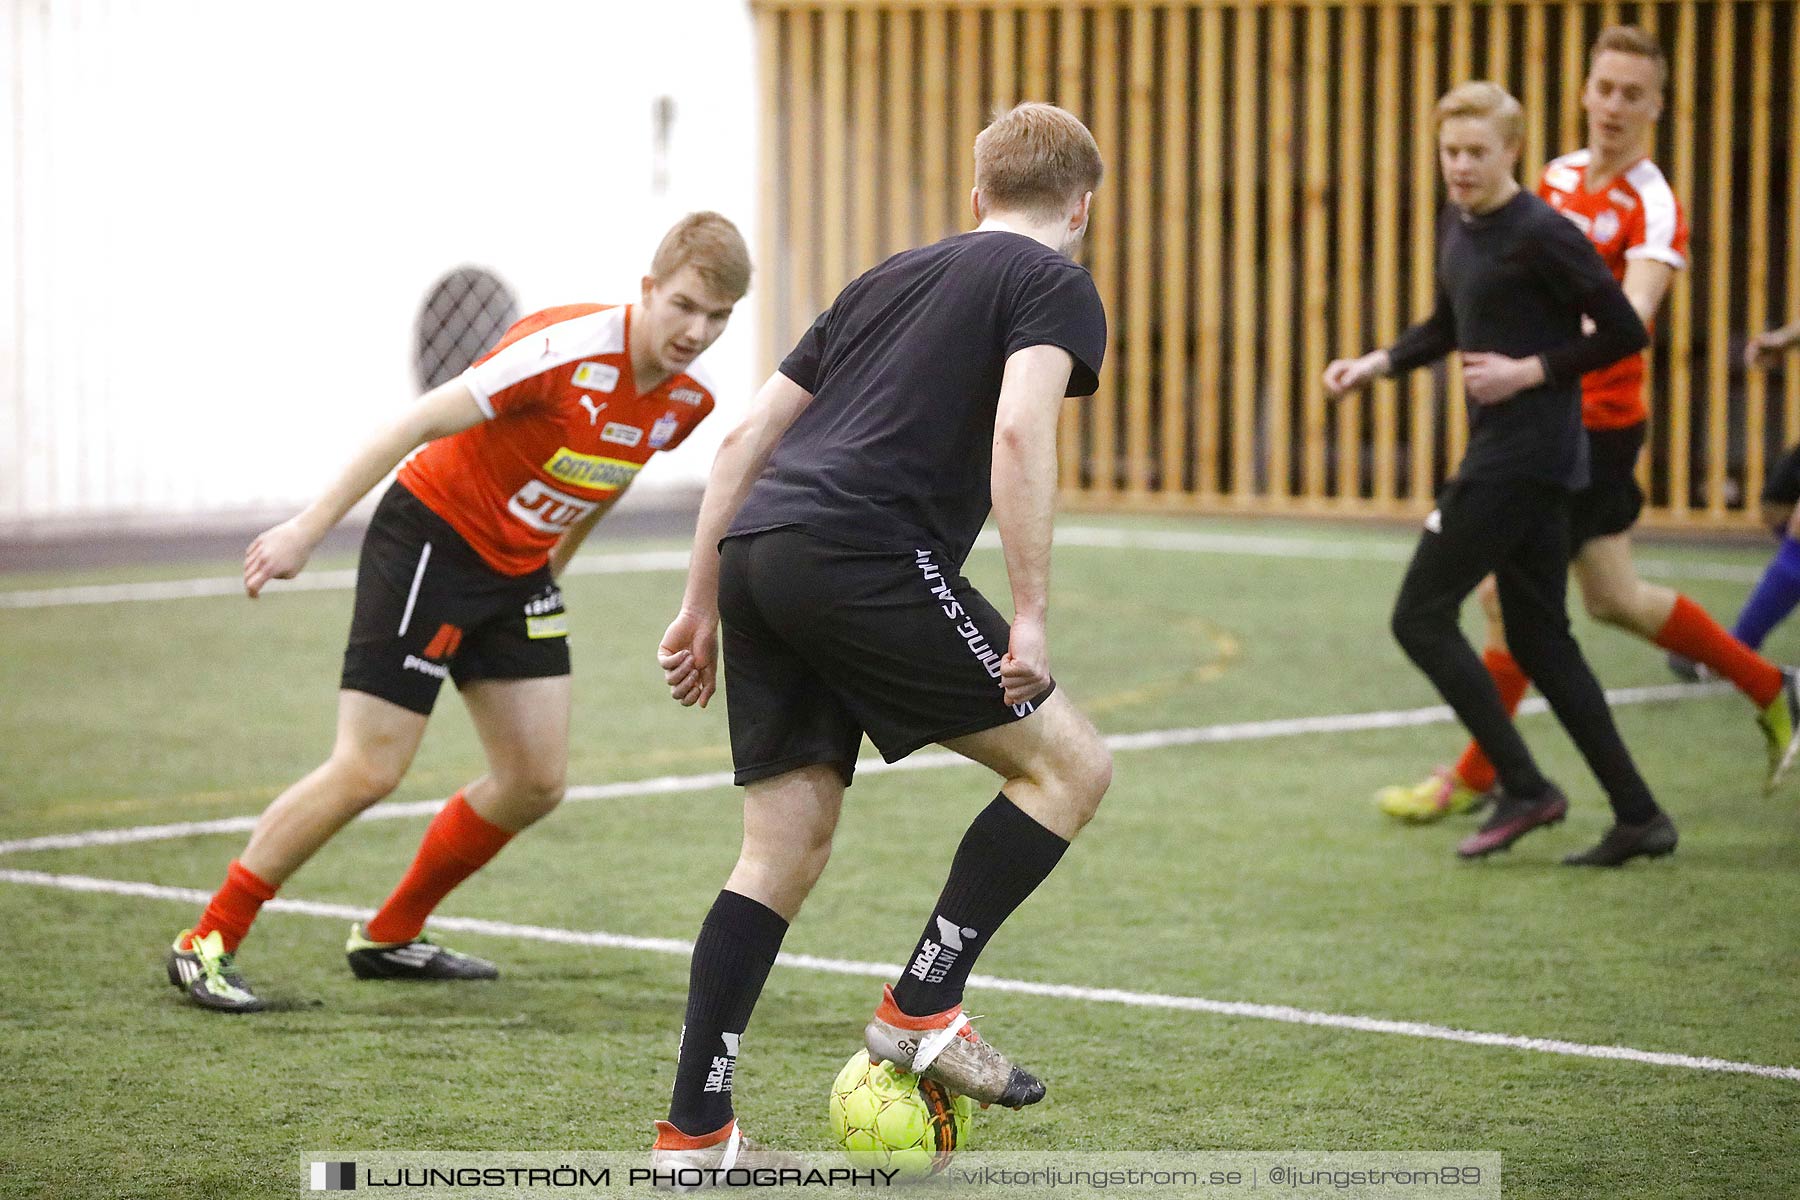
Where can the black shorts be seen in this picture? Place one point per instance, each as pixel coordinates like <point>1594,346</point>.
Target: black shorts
<point>429,608</point>
<point>824,642</point>
<point>1612,500</point>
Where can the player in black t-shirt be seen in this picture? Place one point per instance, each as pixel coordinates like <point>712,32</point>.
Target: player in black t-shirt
<point>1515,280</point>
<point>831,540</point>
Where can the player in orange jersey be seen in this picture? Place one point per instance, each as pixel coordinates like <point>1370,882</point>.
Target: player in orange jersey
<point>522,455</point>
<point>1617,196</point>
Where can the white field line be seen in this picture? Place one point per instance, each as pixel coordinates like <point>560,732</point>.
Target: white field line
<point>1091,537</point>
<point>837,966</point>
<point>1245,731</point>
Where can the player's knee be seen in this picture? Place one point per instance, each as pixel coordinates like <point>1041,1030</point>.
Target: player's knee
<point>365,778</point>
<point>1417,630</point>
<point>535,794</point>
<point>1094,775</point>
<point>1610,608</point>
<point>789,870</point>
<point>1080,775</point>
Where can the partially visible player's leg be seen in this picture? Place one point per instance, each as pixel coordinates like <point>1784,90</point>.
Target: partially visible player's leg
<point>1776,594</point>
<point>789,821</point>
<point>1614,593</point>
<point>794,747</point>
<point>524,728</point>
<point>1056,769</point>
<point>1778,590</point>
<point>1463,787</point>
<point>1533,593</point>
<point>1473,526</point>
<point>376,741</point>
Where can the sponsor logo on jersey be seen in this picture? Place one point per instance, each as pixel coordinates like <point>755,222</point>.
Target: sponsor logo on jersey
<point>624,435</point>
<point>1606,226</point>
<point>590,470</point>
<point>593,410</point>
<point>1581,220</point>
<point>663,430</point>
<point>687,396</point>
<point>1562,179</point>
<point>596,376</point>
<point>1623,199</point>
<point>547,510</point>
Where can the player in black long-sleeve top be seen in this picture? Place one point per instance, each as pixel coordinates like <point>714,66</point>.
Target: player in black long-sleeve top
<point>1515,280</point>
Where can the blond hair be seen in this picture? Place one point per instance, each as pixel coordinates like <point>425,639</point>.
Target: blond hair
<point>712,245</point>
<point>1037,159</point>
<point>1629,39</point>
<point>1487,102</point>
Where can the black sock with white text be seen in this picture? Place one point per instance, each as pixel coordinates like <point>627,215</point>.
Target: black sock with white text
<point>736,948</point>
<point>1003,857</point>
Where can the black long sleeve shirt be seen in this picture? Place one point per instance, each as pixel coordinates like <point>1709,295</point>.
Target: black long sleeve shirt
<point>1517,281</point>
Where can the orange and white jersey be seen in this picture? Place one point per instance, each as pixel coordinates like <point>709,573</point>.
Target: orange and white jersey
<point>1632,216</point>
<point>566,432</point>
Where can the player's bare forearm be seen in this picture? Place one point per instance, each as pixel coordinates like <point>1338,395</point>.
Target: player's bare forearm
<point>281,552</point>
<point>740,460</point>
<point>1023,480</point>
<point>688,649</point>
<point>442,411</point>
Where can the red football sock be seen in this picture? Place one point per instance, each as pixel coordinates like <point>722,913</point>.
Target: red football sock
<point>1691,633</point>
<point>457,844</point>
<point>1473,768</point>
<point>234,906</point>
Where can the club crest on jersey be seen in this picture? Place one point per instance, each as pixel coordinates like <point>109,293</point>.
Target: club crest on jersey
<point>596,376</point>
<point>1606,226</point>
<point>623,435</point>
<point>663,430</point>
<point>687,396</point>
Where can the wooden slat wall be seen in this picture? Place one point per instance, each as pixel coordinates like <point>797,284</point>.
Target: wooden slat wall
<point>1271,200</point>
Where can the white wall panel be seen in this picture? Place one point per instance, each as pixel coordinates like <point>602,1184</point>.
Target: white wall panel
<point>225,215</point>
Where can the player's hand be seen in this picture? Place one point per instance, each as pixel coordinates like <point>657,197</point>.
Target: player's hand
<point>1025,671</point>
<point>688,657</point>
<point>1345,375</point>
<point>1492,378</point>
<point>276,553</point>
<point>1763,350</point>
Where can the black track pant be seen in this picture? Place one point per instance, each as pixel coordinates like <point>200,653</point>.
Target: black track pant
<point>1517,530</point>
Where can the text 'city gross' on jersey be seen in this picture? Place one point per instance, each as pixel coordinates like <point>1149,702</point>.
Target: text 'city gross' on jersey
<point>566,432</point>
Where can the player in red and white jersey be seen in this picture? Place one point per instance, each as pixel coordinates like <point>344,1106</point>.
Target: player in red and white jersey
<point>516,461</point>
<point>1613,192</point>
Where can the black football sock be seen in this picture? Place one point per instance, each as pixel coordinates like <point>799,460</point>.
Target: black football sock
<point>737,945</point>
<point>1002,859</point>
